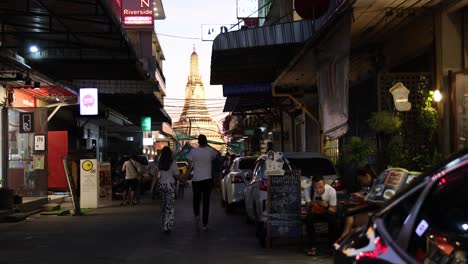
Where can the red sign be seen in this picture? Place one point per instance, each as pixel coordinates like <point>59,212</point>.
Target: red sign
<point>138,13</point>
<point>21,99</point>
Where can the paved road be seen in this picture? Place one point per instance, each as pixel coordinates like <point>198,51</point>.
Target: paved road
<point>131,234</point>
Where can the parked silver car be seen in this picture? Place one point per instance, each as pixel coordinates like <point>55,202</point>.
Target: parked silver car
<point>234,183</point>
<point>256,195</point>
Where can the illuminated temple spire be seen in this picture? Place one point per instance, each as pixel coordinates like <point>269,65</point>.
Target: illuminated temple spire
<point>194,63</point>
<point>195,118</point>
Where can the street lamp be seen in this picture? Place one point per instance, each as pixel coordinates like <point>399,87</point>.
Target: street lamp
<point>400,97</point>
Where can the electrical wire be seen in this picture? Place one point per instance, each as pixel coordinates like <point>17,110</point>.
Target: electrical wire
<point>175,36</point>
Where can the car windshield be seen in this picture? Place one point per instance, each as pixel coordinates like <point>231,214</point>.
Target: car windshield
<point>246,164</point>
<point>311,166</point>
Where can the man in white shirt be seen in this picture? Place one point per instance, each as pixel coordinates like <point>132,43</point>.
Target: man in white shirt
<point>132,169</point>
<point>200,159</point>
<point>322,208</point>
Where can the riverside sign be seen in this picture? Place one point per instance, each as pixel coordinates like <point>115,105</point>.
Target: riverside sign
<point>138,13</point>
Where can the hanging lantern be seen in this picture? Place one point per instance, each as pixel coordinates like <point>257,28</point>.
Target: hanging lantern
<point>437,96</point>
<point>311,9</point>
<point>400,97</point>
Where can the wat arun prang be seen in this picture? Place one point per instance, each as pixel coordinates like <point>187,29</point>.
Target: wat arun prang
<point>195,119</point>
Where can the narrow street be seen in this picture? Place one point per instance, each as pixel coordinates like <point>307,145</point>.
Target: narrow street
<point>131,234</point>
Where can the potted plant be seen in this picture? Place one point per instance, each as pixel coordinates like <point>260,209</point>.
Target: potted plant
<point>356,154</point>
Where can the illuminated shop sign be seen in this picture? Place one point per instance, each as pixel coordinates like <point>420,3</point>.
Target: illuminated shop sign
<point>146,123</point>
<point>138,13</point>
<point>88,101</point>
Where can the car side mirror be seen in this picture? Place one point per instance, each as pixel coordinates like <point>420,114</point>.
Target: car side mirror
<point>248,176</point>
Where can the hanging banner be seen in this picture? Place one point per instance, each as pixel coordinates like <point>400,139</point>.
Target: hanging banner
<point>333,78</point>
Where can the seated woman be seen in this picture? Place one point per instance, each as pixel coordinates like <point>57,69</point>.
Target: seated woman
<point>365,178</point>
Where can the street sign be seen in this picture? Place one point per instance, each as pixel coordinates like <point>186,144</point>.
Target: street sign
<point>39,142</point>
<point>89,183</point>
<point>209,32</point>
<point>26,122</point>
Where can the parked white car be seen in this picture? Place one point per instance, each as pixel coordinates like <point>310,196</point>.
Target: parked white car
<point>233,184</point>
<point>256,195</point>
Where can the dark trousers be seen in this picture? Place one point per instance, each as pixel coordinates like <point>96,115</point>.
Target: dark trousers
<point>324,218</point>
<point>202,190</point>
<point>138,191</point>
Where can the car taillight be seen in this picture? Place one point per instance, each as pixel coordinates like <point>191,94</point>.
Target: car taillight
<point>263,185</point>
<point>237,179</point>
<point>378,250</point>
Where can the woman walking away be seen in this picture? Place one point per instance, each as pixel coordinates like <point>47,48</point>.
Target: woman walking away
<point>168,171</point>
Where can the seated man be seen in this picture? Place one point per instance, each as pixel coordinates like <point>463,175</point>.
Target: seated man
<point>321,208</point>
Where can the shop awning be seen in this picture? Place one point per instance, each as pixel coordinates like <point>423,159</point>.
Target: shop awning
<point>247,103</point>
<point>135,106</point>
<point>75,39</point>
<point>132,98</point>
<point>12,61</point>
<point>257,55</point>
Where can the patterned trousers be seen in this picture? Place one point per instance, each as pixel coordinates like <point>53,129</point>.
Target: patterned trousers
<point>167,192</point>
